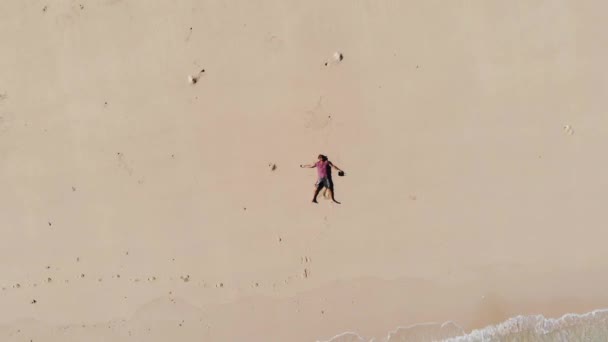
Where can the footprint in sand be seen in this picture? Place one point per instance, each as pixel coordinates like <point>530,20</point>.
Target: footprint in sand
<point>305,259</point>
<point>336,58</point>
<point>305,273</point>
<point>6,120</point>
<point>274,43</point>
<point>193,79</point>
<point>317,118</point>
<point>123,164</point>
<point>568,129</point>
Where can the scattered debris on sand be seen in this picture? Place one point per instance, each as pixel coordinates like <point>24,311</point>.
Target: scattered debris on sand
<point>337,57</point>
<point>272,166</point>
<point>192,79</point>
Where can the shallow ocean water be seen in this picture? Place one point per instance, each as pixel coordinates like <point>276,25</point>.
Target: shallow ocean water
<point>588,327</point>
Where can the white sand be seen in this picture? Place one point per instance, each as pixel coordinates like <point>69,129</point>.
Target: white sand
<point>472,134</point>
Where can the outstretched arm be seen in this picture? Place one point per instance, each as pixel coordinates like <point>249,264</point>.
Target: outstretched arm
<point>310,166</point>
<point>334,166</point>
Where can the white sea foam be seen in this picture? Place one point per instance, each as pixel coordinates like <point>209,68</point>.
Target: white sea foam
<point>591,326</point>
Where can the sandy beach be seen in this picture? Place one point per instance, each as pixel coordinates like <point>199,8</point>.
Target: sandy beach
<point>151,188</point>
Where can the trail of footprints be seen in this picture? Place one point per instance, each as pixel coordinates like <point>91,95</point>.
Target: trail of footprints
<point>303,274</point>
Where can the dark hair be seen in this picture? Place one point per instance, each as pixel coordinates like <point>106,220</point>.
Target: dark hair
<point>324,158</point>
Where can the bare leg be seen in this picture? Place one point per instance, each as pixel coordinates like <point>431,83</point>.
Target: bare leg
<point>317,190</point>
<point>331,192</point>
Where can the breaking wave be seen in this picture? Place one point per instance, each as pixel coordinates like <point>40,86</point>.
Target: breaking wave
<point>591,326</point>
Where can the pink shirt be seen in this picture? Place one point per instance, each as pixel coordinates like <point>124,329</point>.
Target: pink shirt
<point>322,168</point>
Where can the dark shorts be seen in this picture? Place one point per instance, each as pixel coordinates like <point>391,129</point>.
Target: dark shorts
<point>325,182</point>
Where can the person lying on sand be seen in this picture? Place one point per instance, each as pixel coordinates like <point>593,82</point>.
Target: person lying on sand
<point>324,166</point>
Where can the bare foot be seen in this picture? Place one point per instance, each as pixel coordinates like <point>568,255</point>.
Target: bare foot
<point>336,202</point>
<point>314,201</point>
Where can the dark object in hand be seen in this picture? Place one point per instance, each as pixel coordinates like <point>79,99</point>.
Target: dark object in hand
<point>341,173</point>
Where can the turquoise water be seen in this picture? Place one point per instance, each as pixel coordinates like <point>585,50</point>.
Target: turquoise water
<point>588,327</point>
